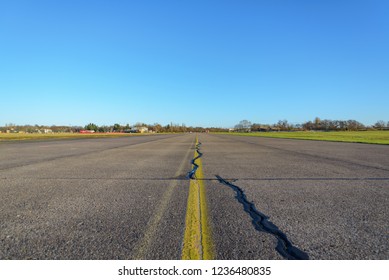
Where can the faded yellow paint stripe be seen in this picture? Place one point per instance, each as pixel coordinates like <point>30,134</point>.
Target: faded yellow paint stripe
<point>198,243</point>
<point>143,246</point>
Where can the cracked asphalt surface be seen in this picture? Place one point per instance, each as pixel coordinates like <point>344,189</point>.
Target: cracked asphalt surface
<point>330,199</point>
<point>126,198</point>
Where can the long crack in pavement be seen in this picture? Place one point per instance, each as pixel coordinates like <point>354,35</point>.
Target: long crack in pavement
<point>261,223</point>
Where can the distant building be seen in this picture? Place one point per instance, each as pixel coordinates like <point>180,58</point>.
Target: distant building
<point>140,129</point>
<point>44,131</point>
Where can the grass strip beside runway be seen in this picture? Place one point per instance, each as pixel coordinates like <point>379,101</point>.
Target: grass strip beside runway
<point>368,137</point>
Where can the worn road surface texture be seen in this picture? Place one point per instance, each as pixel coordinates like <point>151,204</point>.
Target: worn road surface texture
<point>127,198</point>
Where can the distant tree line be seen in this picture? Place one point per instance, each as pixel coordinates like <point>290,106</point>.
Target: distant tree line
<point>115,128</point>
<point>316,125</point>
<point>38,128</point>
<point>156,127</point>
<point>243,126</point>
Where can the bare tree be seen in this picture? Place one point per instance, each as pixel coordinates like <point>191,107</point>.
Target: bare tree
<point>379,124</point>
<point>243,126</point>
<point>318,123</point>
<point>354,125</point>
<point>284,125</point>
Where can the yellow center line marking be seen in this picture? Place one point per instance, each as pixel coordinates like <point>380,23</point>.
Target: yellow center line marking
<point>145,243</point>
<point>198,243</point>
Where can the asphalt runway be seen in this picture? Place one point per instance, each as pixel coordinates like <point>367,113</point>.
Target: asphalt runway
<point>126,198</point>
<point>330,199</point>
<point>120,198</point>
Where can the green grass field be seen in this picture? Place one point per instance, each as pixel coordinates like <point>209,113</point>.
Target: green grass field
<point>370,137</point>
<point>37,136</point>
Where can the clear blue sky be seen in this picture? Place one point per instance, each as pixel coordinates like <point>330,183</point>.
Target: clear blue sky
<point>205,63</point>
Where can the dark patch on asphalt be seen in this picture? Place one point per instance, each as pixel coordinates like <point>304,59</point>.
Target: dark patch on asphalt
<point>192,173</point>
<point>261,223</point>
